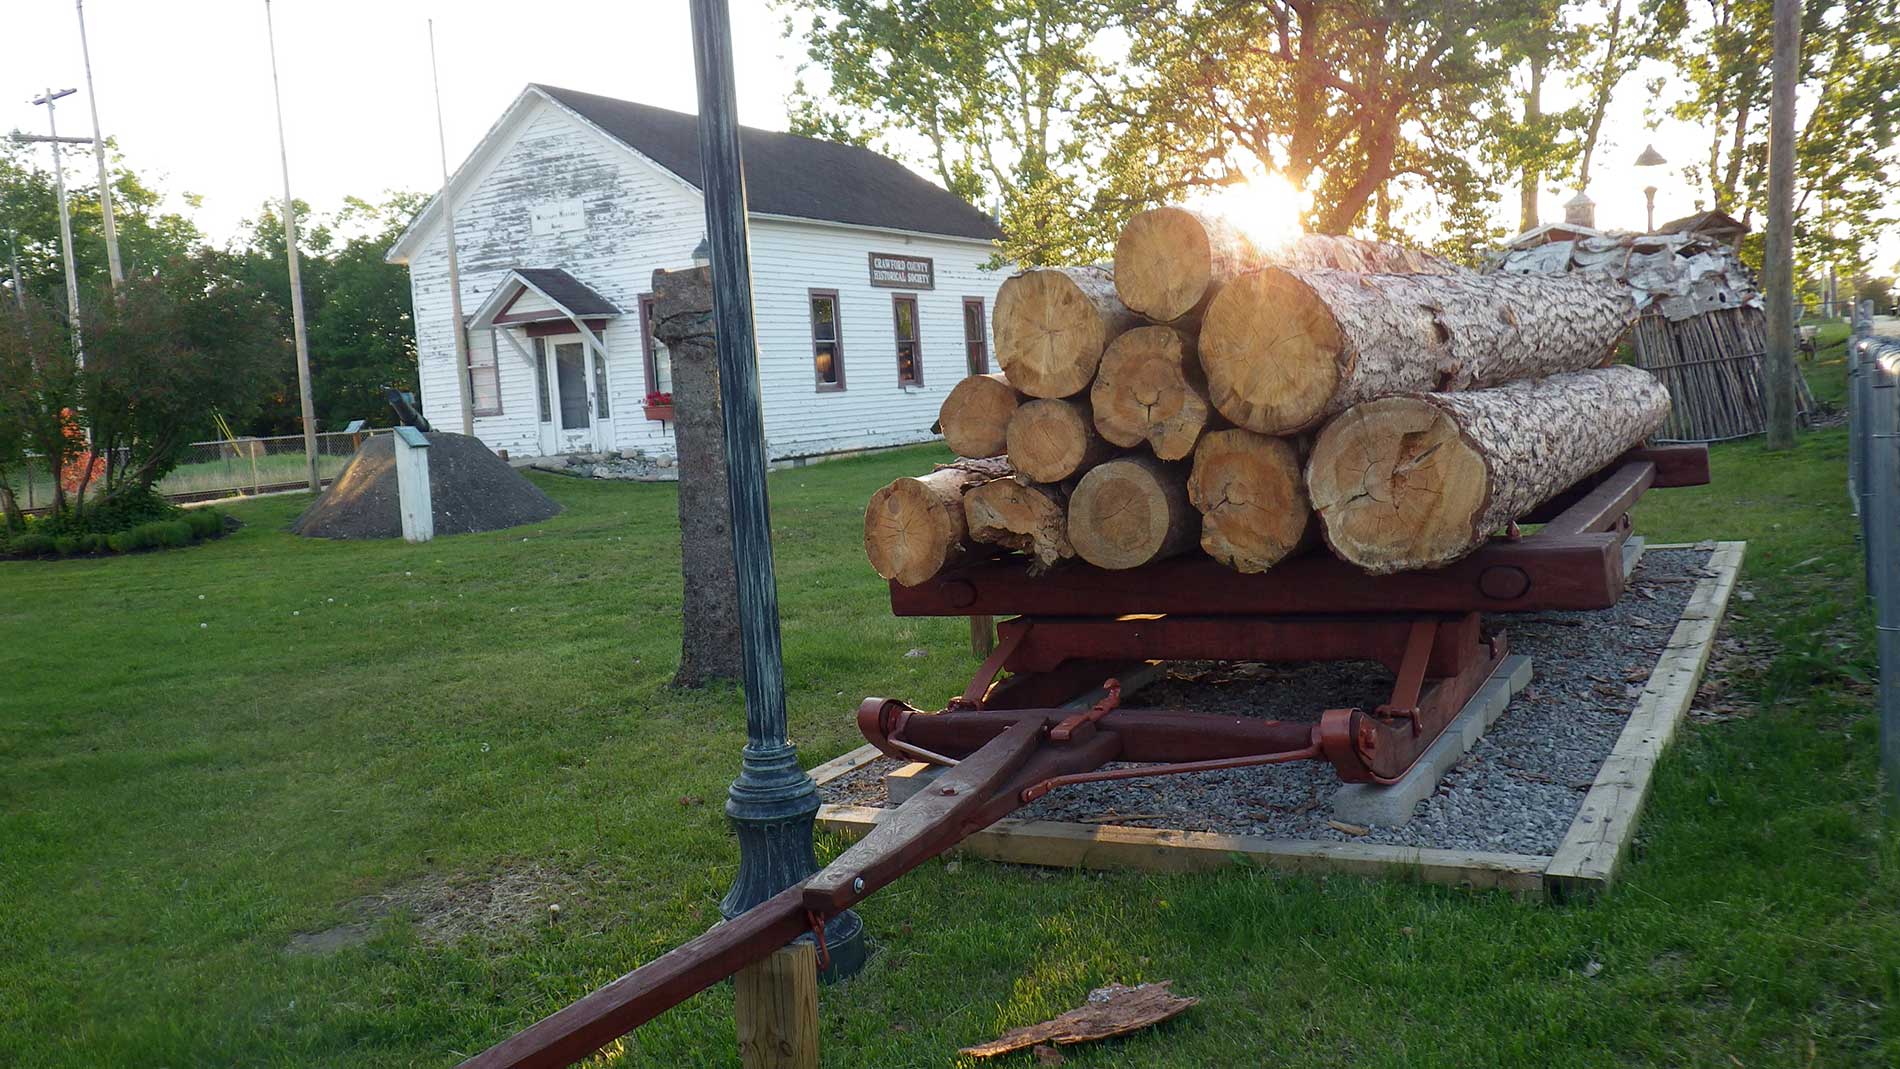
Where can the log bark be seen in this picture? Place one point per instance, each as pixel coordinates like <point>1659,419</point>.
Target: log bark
<point>1150,389</point>
<point>975,416</point>
<point>915,528</point>
<point>1031,518</point>
<point>1284,349</point>
<point>1052,439</point>
<point>1419,481</point>
<point>1131,511</point>
<point>1170,261</point>
<point>1051,325</point>
<point>1252,497</point>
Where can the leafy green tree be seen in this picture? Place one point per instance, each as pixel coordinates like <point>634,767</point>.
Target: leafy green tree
<point>148,235</point>
<point>39,397</point>
<point>363,337</point>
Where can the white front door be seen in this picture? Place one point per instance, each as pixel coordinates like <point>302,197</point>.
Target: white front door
<point>580,417</point>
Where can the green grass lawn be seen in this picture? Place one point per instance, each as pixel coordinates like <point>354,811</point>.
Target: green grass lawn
<point>208,751</point>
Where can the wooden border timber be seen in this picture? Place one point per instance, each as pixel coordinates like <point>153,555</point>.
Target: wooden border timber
<point>1585,863</point>
<point>1587,860</point>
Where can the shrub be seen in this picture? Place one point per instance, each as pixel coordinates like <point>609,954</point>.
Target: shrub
<point>33,545</point>
<point>96,543</point>
<point>127,541</point>
<point>205,523</point>
<point>70,545</point>
<point>122,511</point>
<point>171,533</point>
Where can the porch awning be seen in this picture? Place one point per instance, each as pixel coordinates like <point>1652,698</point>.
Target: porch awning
<point>541,295</point>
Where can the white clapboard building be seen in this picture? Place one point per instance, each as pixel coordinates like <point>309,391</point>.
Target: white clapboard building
<point>869,284</point>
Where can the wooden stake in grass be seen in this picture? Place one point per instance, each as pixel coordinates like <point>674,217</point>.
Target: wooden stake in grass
<point>1028,517</point>
<point>775,1006</point>
<point>1051,325</point>
<point>1132,510</point>
<point>1419,481</point>
<point>1051,439</point>
<point>1149,389</point>
<point>1252,498</point>
<point>914,528</point>
<point>1284,349</point>
<point>976,414</point>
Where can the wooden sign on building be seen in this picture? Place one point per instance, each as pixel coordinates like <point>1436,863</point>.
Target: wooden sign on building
<point>895,271</point>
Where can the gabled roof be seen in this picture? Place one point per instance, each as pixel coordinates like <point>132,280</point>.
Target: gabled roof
<point>787,175</point>
<point>569,297</point>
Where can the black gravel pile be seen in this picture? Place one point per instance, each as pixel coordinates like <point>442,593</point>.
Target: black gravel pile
<point>470,489</point>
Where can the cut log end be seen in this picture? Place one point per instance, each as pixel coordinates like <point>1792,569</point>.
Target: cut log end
<point>1254,509</point>
<point>1272,353</point>
<point>914,528</point>
<point>1131,511</point>
<point>1148,390</point>
<point>975,416</point>
<point>1052,439</point>
<point>1163,263</point>
<point>1398,485</point>
<point>1051,325</point>
<point>1025,517</point>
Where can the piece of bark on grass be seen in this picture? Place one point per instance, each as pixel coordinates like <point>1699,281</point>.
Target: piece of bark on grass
<point>1052,439</point>
<point>1114,1010</point>
<point>709,634</point>
<point>1252,497</point>
<point>1030,518</point>
<point>1284,349</point>
<point>1051,325</point>
<point>1132,511</point>
<point>915,528</point>
<point>1419,481</point>
<point>975,416</point>
<point>1149,388</point>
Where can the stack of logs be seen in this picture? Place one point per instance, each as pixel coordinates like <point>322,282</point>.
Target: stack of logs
<point>1255,402</point>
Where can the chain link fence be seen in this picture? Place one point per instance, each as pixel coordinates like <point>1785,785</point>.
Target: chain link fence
<point>224,468</point>
<point>1873,482</point>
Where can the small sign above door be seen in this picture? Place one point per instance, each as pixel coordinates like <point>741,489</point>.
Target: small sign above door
<point>898,272</point>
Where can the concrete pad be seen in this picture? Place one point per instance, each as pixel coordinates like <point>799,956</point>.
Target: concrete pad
<point>1390,806</point>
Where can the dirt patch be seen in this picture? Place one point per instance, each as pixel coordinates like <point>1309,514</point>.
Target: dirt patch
<point>445,908</point>
<point>470,489</point>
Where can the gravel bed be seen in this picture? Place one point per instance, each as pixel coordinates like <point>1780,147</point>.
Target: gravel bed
<point>1516,791</point>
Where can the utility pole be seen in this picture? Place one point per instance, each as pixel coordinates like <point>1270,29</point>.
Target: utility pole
<point>1778,256</point>
<point>65,218</point>
<point>99,151</point>
<point>463,373</point>
<point>296,280</point>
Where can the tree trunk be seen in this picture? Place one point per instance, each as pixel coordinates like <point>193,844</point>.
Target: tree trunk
<point>1777,275</point>
<point>976,415</point>
<point>1150,389</point>
<point>1051,325</point>
<point>1533,120</point>
<point>709,635</point>
<point>1419,481</point>
<point>1132,511</point>
<point>1252,498</point>
<point>1028,517</point>
<point>915,528</point>
<point>1051,439</point>
<point>1284,349</point>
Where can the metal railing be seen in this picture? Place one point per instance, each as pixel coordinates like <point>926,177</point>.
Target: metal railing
<point>224,468</point>
<point>1873,472</point>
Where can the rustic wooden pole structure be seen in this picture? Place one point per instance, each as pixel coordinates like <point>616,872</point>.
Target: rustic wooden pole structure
<point>296,279</point>
<point>773,802</point>
<point>775,1003</point>
<point>465,383</point>
<point>1778,255</point>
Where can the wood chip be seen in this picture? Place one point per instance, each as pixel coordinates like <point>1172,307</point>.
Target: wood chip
<point>1114,1010</point>
<point>1349,829</point>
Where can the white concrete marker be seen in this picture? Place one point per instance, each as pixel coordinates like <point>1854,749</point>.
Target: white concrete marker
<point>412,485</point>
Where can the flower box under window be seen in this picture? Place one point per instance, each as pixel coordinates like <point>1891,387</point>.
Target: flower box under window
<point>659,405</point>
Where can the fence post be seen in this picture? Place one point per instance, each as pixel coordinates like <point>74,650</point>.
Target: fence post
<point>1880,364</point>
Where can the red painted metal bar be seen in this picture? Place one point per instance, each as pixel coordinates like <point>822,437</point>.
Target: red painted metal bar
<point>1042,643</point>
<point>1159,735</point>
<point>1305,753</point>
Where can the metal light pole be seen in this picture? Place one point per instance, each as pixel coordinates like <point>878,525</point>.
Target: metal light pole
<point>65,219</point>
<point>99,151</point>
<point>465,383</point>
<point>1650,158</point>
<point>296,280</point>
<point>773,802</point>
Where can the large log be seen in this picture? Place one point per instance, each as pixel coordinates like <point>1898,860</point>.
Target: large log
<point>1421,480</point>
<point>1051,325</point>
<point>1051,439</point>
<point>976,414</point>
<point>1028,517</point>
<point>915,528</point>
<point>1131,511</point>
<point>1284,349</point>
<point>1170,261</point>
<point>1252,498</point>
<point>1150,389</point>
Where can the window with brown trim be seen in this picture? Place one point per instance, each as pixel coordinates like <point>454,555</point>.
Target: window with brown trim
<point>910,357</point>
<point>827,340</point>
<point>484,379</point>
<point>976,345</point>
<point>659,361</point>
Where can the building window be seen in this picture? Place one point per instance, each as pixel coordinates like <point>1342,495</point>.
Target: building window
<point>601,408</point>
<point>827,340</point>
<point>976,344</point>
<point>484,379</point>
<point>541,378</point>
<point>659,361</point>
<point>910,367</point>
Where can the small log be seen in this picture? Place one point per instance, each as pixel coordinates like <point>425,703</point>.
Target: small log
<point>1051,325</point>
<point>975,416</point>
<point>1284,349</point>
<point>1150,389</point>
<point>1131,511</point>
<point>1419,481</point>
<point>1252,497</point>
<point>1028,517</point>
<point>1052,439</point>
<point>914,528</point>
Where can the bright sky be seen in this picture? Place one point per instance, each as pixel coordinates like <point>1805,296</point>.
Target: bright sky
<point>184,86</point>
